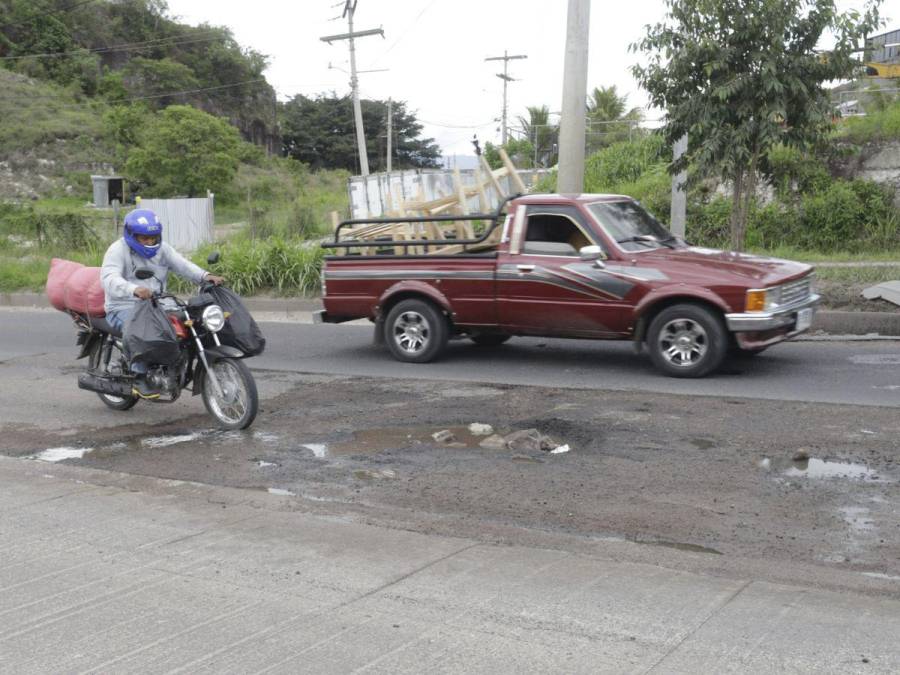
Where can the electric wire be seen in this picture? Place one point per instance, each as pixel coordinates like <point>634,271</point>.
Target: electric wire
<point>132,46</point>
<point>131,99</point>
<point>61,10</point>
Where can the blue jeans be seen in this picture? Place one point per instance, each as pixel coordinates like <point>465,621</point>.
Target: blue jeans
<point>117,320</point>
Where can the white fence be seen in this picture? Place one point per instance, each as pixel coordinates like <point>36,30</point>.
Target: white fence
<point>373,195</point>
<point>187,223</point>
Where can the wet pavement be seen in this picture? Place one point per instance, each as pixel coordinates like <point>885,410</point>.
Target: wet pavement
<point>713,476</point>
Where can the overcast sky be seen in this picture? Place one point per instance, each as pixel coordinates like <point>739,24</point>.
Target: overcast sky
<point>435,51</point>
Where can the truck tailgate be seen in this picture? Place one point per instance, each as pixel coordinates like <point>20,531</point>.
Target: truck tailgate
<point>464,284</point>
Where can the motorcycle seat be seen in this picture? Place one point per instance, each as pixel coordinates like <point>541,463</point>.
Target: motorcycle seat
<point>101,324</point>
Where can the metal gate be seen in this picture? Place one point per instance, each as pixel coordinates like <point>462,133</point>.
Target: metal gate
<point>187,223</point>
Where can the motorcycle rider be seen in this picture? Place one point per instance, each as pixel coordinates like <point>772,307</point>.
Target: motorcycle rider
<point>142,247</point>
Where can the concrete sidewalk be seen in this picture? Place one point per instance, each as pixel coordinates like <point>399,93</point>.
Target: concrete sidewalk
<point>300,310</point>
<point>103,572</point>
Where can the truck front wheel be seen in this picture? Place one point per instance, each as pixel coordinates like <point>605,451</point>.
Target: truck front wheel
<point>416,331</point>
<point>687,341</point>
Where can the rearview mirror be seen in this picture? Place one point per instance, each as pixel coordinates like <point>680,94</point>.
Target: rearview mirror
<point>143,273</point>
<point>212,258</point>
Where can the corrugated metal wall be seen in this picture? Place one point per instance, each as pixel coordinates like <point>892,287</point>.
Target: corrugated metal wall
<point>187,223</point>
<point>370,196</point>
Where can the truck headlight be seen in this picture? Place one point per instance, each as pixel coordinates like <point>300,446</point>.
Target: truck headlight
<point>213,318</point>
<point>762,299</point>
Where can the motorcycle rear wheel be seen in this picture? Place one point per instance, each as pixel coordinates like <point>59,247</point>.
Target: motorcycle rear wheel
<point>115,402</point>
<point>238,404</point>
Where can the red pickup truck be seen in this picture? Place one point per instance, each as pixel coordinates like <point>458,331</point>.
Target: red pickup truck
<point>574,266</point>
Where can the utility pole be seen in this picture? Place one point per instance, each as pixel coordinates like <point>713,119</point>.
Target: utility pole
<point>571,123</point>
<point>506,80</point>
<point>349,10</point>
<point>389,125</point>
<point>678,210</point>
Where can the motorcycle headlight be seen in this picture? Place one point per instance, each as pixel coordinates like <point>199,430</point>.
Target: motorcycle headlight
<point>214,318</point>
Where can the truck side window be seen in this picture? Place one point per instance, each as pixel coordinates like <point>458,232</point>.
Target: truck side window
<point>553,234</point>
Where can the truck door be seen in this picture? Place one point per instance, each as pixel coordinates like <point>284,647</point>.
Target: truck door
<point>543,286</point>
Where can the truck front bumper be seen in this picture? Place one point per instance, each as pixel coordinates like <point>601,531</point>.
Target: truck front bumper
<point>786,317</point>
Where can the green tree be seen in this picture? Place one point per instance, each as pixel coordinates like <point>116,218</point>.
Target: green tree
<point>542,137</point>
<point>321,132</point>
<point>184,151</point>
<point>155,77</point>
<point>740,76</point>
<point>609,120</point>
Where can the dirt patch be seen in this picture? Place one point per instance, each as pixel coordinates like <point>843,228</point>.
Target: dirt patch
<point>695,474</point>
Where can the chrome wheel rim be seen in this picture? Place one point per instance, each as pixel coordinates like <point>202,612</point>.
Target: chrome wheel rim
<point>683,342</point>
<point>232,405</point>
<point>412,332</point>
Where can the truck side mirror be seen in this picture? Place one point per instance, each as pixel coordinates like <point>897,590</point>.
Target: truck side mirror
<point>593,253</point>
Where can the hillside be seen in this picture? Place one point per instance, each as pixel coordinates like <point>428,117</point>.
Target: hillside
<point>127,49</point>
<point>50,140</point>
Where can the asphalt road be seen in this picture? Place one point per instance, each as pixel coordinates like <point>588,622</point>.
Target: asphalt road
<point>853,372</point>
<point>676,533</point>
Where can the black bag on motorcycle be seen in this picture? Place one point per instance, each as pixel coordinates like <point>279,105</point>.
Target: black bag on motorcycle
<point>149,336</point>
<point>240,330</point>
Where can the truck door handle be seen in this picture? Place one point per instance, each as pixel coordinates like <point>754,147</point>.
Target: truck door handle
<point>525,268</point>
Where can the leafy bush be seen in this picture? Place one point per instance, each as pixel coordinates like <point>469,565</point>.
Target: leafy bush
<point>285,267</point>
<point>624,162</point>
<point>773,225</point>
<point>876,125</point>
<point>845,216</point>
<point>708,222</point>
<point>184,151</point>
<point>790,169</point>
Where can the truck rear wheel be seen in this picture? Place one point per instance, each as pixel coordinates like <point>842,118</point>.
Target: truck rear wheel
<point>416,331</point>
<point>687,341</point>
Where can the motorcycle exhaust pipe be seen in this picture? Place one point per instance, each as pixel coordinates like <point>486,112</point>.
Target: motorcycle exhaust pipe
<point>104,385</point>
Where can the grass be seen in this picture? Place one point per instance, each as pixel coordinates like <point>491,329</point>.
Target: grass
<point>35,113</point>
<point>802,255</point>
<point>859,275</point>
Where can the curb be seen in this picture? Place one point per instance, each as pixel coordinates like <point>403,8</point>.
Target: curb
<point>832,322</point>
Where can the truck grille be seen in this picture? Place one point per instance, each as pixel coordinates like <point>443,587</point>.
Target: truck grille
<point>795,291</point>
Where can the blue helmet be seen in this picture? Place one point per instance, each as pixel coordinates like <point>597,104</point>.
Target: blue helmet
<point>143,222</point>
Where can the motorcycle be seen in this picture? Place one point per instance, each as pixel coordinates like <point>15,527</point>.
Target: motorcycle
<point>209,368</point>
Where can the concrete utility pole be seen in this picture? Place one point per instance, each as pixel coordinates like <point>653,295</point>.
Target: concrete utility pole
<point>349,10</point>
<point>678,212</point>
<point>389,125</point>
<point>571,123</point>
<point>506,80</point>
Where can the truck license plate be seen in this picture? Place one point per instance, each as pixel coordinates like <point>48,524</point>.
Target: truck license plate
<point>804,319</point>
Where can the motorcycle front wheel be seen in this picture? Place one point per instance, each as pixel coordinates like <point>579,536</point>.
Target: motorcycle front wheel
<point>237,403</point>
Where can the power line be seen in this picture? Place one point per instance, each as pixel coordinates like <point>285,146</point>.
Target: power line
<point>404,33</point>
<point>146,98</point>
<point>455,126</point>
<point>61,10</point>
<point>145,44</point>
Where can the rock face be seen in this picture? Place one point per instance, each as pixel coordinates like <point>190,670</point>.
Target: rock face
<point>883,167</point>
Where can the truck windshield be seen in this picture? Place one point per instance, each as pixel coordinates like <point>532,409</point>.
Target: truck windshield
<point>633,228</point>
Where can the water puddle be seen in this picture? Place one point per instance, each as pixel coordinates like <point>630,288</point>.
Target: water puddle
<point>371,441</point>
<point>281,492</point>
<point>60,454</point>
<point>821,469</point>
<point>165,441</point>
<point>876,359</point>
<point>375,474</point>
<point>881,575</point>
<point>680,546</point>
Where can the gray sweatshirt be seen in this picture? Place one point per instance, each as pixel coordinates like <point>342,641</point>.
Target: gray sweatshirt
<point>120,264</point>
